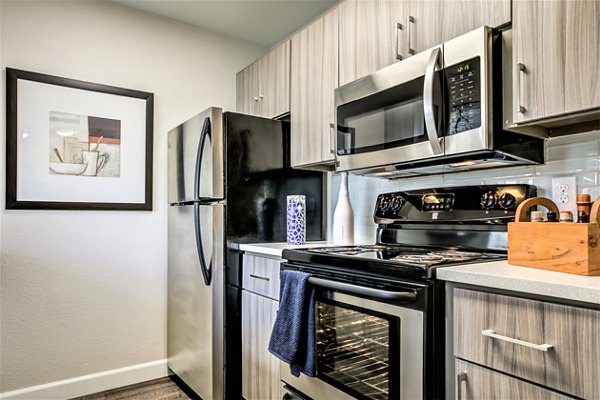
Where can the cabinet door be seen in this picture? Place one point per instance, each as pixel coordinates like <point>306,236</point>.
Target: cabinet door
<point>462,16</point>
<point>314,78</point>
<point>481,383</point>
<point>570,365</point>
<point>260,369</point>
<point>246,87</point>
<point>538,44</point>
<point>423,24</point>
<point>274,82</point>
<point>372,36</point>
<point>582,55</point>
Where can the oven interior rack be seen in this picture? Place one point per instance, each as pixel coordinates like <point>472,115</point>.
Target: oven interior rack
<point>353,349</point>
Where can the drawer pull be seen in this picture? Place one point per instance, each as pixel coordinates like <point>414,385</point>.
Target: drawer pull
<point>263,278</point>
<point>491,333</point>
<point>460,378</point>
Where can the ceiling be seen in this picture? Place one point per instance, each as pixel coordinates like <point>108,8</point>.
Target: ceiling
<point>265,22</point>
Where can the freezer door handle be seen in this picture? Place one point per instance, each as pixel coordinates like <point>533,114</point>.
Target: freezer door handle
<point>205,134</point>
<point>206,269</point>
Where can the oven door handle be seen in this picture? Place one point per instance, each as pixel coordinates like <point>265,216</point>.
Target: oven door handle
<point>404,296</point>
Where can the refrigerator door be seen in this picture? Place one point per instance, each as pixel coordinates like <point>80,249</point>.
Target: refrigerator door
<point>195,158</point>
<point>195,309</point>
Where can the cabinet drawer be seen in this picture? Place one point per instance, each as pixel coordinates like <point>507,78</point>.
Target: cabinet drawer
<point>474,382</point>
<point>261,275</point>
<point>570,365</point>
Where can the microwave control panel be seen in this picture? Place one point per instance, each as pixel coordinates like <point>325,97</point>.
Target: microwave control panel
<point>463,83</point>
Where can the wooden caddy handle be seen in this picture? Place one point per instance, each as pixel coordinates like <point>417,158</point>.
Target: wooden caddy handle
<point>595,211</point>
<point>521,213</point>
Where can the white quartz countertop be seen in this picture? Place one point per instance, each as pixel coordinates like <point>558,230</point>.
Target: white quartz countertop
<point>501,275</point>
<point>275,249</point>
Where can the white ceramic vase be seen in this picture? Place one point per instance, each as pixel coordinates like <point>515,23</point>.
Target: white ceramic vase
<point>343,216</point>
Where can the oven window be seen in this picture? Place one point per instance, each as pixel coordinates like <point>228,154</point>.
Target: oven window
<point>387,119</point>
<point>358,350</point>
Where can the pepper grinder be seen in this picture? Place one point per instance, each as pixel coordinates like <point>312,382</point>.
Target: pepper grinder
<point>584,202</point>
<point>343,216</point>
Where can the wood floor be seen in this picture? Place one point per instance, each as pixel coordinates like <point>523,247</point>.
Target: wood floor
<point>158,389</point>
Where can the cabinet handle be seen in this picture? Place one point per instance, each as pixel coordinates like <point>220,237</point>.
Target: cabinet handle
<point>398,29</point>
<point>332,130</point>
<point>460,378</point>
<point>541,347</point>
<point>411,20</point>
<point>261,96</point>
<point>256,99</point>
<point>521,68</point>
<point>262,278</point>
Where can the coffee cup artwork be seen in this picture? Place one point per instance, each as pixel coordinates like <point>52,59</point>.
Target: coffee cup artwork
<point>83,145</point>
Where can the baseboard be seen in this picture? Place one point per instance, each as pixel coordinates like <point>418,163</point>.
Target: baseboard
<point>87,384</point>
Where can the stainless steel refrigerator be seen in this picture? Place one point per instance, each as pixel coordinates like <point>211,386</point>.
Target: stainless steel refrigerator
<point>228,179</point>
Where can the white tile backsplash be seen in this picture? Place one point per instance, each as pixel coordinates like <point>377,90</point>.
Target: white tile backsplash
<point>577,155</point>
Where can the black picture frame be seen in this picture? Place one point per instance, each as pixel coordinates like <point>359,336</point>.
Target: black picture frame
<point>13,115</point>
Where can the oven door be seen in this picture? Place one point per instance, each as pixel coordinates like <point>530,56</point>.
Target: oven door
<point>367,348</point>
<point>385,117</point>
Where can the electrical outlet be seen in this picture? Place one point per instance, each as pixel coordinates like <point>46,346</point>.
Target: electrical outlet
<point>564,193</point>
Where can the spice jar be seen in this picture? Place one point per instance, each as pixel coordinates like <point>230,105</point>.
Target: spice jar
<point>551,216</point>
<point>565,216</point>
<point>536,216</point>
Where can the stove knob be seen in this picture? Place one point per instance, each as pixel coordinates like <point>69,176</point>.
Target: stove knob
<point>395,204</point>
<point>489,200</point>
<point>384,205</point>
<point>507,201</point>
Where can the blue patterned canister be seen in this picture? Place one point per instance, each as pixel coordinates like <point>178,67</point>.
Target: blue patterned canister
<point>296,219</point>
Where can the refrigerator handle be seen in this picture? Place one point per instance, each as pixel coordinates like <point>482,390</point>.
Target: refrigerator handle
<point>206,269</point>
<point>205,133</point>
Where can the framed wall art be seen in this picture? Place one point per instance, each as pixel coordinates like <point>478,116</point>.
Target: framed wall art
<point>74,145</point>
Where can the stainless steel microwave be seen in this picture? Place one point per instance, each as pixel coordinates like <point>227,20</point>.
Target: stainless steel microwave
<point>437,111</point>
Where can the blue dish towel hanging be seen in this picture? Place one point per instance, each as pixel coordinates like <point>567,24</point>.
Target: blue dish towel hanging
<point>293,335</point>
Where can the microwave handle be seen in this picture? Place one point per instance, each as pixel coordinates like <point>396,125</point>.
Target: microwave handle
<point>430,125</point>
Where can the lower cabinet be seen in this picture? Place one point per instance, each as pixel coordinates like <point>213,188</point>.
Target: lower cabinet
<point>550,345</point>
<point>474,382</point>
<point>260,369</point>
<point>260,294</point>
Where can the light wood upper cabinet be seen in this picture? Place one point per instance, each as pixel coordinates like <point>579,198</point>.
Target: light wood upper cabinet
<point>538,58</point>
<point>423,24</point>
<point>247,89</point>
<point>556,53</point>
<point>582,55</point>
<point>263,88</point>
<point>462,16</point>
<point>371,36</point>
<point>375,34</point>
<point>313,80</point>
<point>274,81</point>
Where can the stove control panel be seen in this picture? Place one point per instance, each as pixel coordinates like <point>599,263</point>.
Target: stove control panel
<point>497,203</point>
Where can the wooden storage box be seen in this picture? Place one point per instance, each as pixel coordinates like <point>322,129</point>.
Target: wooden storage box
<point>558,246</point>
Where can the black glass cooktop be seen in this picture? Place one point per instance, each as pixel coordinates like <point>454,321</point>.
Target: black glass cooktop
<point>390,260</point>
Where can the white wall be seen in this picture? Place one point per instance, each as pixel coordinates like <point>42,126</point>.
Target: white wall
<point>85,292</point>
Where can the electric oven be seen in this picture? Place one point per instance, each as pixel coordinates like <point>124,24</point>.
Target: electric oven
<point>379,311</point>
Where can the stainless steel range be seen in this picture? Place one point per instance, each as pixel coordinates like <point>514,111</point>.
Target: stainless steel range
<point>379,309</point>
